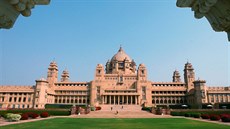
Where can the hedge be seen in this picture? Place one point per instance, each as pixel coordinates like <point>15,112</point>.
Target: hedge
<point>51,112</point>
<point>149,109</point>
<point>182,113</point>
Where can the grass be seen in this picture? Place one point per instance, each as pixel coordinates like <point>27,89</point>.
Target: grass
<point>112,123</point>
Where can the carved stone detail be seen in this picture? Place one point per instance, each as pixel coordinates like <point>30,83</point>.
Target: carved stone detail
<point>11,9</point>
<point>25,6</point>
<point>5,21</point>
<point>217,12</point>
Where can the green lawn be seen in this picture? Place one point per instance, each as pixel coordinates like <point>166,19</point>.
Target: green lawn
<point>110,123</point>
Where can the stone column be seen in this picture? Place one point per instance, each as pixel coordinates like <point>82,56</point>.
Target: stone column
<point>131,99</point>
<point>122,99</point>
<point>114,97</point>
<point>127,98</point>
<point>109,99</point>
<point>118,99</point>
<point>136,100</point>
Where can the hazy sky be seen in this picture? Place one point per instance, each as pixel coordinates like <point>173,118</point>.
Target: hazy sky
<point>79,34</point>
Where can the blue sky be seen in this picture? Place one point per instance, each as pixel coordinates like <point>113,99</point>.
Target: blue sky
<point>78,35</point>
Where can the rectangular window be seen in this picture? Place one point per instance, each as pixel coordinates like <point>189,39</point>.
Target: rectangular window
<point>15,99</point>
<point>24,99</point>
<point>10,99</point>
<point>19,99</point>
<point>29,99</point>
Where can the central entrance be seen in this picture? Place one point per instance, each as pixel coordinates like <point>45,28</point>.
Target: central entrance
<point>120,99</point>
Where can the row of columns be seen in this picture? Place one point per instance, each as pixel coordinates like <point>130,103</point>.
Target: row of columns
<point>219,98</point>
<point>120,99</point>
<point>167,100</point>
<point>75,99</point>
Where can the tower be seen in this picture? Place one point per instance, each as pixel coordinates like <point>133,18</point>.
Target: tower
<point>176,76</point>
<point>40,97</point>
<point>189,76</point>
<point>65,76</point>
<point>52,75</point>
<point>200,93</point>
<point>99,75</point>
<point>142,72</point>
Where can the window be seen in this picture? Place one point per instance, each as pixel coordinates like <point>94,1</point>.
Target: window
<point>121,65</point>
<point>15,99</point>
<point>143,71</point>
<point>19,99</point>
<point>121,79</point>
<point>24,99</point>
<point>10,99</point>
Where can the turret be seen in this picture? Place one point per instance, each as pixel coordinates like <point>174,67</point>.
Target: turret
<point>40,98</point>
<point>176,76</point>
<point>142,72</point>
<point>200,92</point>
<point>65,76</point>
<point>189,76</point>
<point>99,72</point>
<point>52,75</point>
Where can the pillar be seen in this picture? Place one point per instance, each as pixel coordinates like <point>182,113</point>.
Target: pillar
<point>131,99</point>
<point>118,99</point>
<point>122,99</point>
<point>114,97</point>
<point>109,99</point>
<point>106,100</point>
<point>136,100</point>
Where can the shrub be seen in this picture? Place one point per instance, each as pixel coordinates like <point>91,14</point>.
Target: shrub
<point>53,112</point>
<point>205,116</point>
<point>175,113</point>
<point>214,117</point>
<point>24,116</point>
<point>187,115</point>
<point>149,109</point>
<point>13,117</point>
<point>98,108</point>
<point>196,115</point>
<point>44,114</point>
<point>92,108</point>
<point>34,115</point>
<point>225,117</point>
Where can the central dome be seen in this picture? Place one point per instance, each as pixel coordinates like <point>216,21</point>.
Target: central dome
<point>121,56</point>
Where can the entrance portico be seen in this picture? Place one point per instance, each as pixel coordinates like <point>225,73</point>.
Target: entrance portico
<point>120,99</point>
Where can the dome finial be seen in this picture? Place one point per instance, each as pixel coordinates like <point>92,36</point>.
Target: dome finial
<point>120,49</point>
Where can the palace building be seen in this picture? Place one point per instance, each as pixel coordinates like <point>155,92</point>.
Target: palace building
<point>119,82</point>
